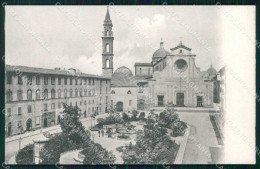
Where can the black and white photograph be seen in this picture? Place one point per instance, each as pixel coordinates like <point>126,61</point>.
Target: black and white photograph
<point>117,84</point>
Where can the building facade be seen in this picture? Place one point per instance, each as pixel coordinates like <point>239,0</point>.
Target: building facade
<point>35,96</point>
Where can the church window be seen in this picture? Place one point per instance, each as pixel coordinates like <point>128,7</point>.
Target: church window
<point>107,48</point>
<point>107,63</point>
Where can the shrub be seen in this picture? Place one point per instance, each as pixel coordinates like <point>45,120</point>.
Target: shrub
<point>125,117</point>
<point>111,119</point>
<point>134,115</point>
<point>123,136</point>
<point>178,128</point>
<point>25,155</point>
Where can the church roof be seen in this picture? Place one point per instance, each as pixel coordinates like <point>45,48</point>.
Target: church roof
<point>123,77</point>
<point>161,52</point>
<point>107,18</point>
<point>181,46</point>
<point>143,64</point>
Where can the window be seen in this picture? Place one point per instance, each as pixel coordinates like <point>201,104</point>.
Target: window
<point>93,102</point>
<point>71,81</point>
<point>89,82</point>
<point>107,48</point>
<point>106,90</point>
<point>89,102</point>
<point>107,63</point>
<point>29,108</point>
<point>52,93</point>
<point>128,92</point>
<point>85,102</point>
<point>156,68</point>
<point>38,80</point>
<point>89,110</point>
<point>59,93</point>
<point>29,94</point>
<point>107,33</point>
<point>19,110</point>
<point>59,81</point>
<point>140,71</point>
<point>130,102</point>
<point>111,102</point>
<point>45,94</point>
<point>65,81</point>
<point>113,92</point>
<point>80,103</point>
<point>71,93</point>
<point>9,113</point>
<point>9,78</point>
<point>37,120</point>
<point>149,71</point>
<point>93,82</point>
<point>29,79</point>
<point>80,93</point>
<point>53,80</point>
<point>76,92</point>
<point>53,106</point>
<point>80,81</point>
<point>38,94</point>
<point>65,93</point>
<point>19,95</point>
<point>76,81</point>
<point>20,80</point>
<point>45,80</point>
<point>106,99</point>
<point>45,107</point>
<point>9,96</point>
<point>85,92</point>
<point>85,81</point>
<point>180,51</point>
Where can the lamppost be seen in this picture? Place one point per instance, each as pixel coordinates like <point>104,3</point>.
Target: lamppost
<point>20,140</point>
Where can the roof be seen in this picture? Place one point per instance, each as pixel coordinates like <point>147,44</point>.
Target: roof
<point>107,18</point>
<point>143,64</point>
<point>123,77</point>
<point>46,71</point>
<point>211,71</point>
<point>161,52</point>
<point>181,46</point>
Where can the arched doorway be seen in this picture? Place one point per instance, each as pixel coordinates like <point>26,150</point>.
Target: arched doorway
<point>9,129</point>
<point>29,125</point>
<point>45,122</point>
<point>119,106</point>
<point>140,104</point>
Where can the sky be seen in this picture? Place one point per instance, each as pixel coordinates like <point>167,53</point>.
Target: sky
<point>70,37</point>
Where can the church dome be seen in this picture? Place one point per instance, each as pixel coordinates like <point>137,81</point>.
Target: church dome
<point>123,77</point>
<point>211,71</point>
<point>161,52</point>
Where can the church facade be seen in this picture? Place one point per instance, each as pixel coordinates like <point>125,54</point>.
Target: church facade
<point>170,78</point>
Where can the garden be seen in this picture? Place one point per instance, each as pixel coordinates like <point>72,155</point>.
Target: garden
<point>135,138</point>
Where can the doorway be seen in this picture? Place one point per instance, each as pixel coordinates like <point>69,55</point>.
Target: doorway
<point>160,100</point>
<point>45,122</point>
<point>119,106</point>
<point>29,125</point>
<point>199,101</point>
<point>179,99</point>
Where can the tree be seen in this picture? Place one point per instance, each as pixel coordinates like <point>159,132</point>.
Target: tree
<point>25,155</point>
<point>153,146</point>
<point>71,125</point>
<point>95,154</point>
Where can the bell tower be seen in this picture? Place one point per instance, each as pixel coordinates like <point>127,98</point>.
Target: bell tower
<point>107,44</point>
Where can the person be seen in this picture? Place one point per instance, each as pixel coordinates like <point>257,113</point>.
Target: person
<point>102,131</point>
<point>98,133</point>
